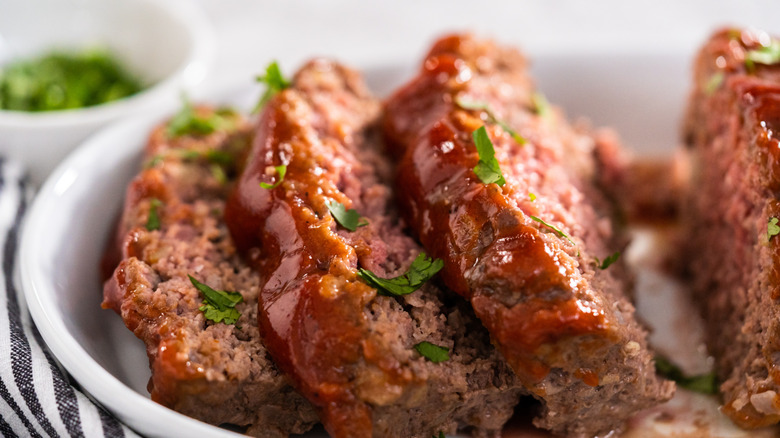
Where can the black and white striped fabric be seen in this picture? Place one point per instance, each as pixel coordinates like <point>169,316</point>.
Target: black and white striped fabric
<point>36,398</point>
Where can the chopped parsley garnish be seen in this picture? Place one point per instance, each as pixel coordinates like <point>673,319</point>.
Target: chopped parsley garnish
<point>441,435</point>
<point>432,352</point>
<point>218,173</point>
<point>217,156</point>
<point>772,229</point>
<point>703,383</point>
<point>552,227</point>
<point>487,169</point>
<point>714,82</point>
<point>541,105</point>
<point>281,170</point>
<point>274,82</point>
<point>153,220</point>
<point>349,219</point>
<point>612,258</point>
<point>767,55</point>
<point>214,156</point>
<point>483,106</point>
<point>188,122</point>
<point>422,269</point>
<point>65,80</point>
<point>218,305</point>
<point>532,197</point>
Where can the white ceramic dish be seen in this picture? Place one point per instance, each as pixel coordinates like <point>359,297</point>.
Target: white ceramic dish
<point>68,225</point>
<point>168,44</point>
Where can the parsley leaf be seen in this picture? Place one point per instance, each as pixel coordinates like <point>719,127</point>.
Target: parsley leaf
<point>274,82</point>
<point>713,83</point>
<point>767,55</point>
<point>532,197</point>
<point>772,229</point>
<point>153,220</point>
<point>476,105</point>
<point>422,269</point>
<point>218,173</point>
<point>541,105</point>
<point>280,171</point>
<point>612,258</point>
<point>349,219</point>
<point>432,352</point>
<point>188,122</point>
<point>487,169</point>
<point>218,305</point>
<point>703,383</point>
<point>441,435</point>
<point>554,228</point>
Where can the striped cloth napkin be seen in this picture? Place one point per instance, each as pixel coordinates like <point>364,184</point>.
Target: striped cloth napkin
<point>37,399</point>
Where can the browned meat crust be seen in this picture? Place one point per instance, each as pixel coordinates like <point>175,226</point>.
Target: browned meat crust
<point>731,134</point>
<point>565,327</point>
<point>217,373</point>
<point>348,349</point>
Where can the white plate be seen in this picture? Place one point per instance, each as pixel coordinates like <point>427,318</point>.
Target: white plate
<point>69,223</point>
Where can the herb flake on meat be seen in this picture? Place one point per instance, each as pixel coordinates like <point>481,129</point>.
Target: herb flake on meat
<point>766,55</point>
<point>153,220</point>
<point>218,305</point>
<point>432,352</point>
<point>612,258</point>
<point>487,169</point>
<point>274,82</point>
<point>532,197</point>
<point>475,105</point>
<point>281,170</point>
<point>772,229</point>
<point>188,122</point>
<point>349,219</point>
<point>554,228</point>
<point>540,104</point>
<point>703,383</point>
<point>422,269</point>
<point>713,83</point>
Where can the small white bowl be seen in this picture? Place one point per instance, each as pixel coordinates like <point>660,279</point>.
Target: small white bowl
<point>167,44</point>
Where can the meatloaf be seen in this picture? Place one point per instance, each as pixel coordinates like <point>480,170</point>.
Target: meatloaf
<point>350,349</point>
<point>730,212</point>
<point>172,228</point>
<point>527,254</point>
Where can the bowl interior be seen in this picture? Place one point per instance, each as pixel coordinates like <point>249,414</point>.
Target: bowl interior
<point>150,40</point>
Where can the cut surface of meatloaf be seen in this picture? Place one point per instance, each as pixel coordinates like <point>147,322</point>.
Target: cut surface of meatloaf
<point>731,250</point>
<point>215,372</point>
<point>523,254</point>
<point>349,349</point>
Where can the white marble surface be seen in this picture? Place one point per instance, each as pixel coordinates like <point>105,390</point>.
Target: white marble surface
<point>374,33</point>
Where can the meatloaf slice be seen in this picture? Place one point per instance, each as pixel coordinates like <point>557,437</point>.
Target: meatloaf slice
<point>350,349</point>
<point>171,228</point>
<point>523,253</point>
<point>732,250</point>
